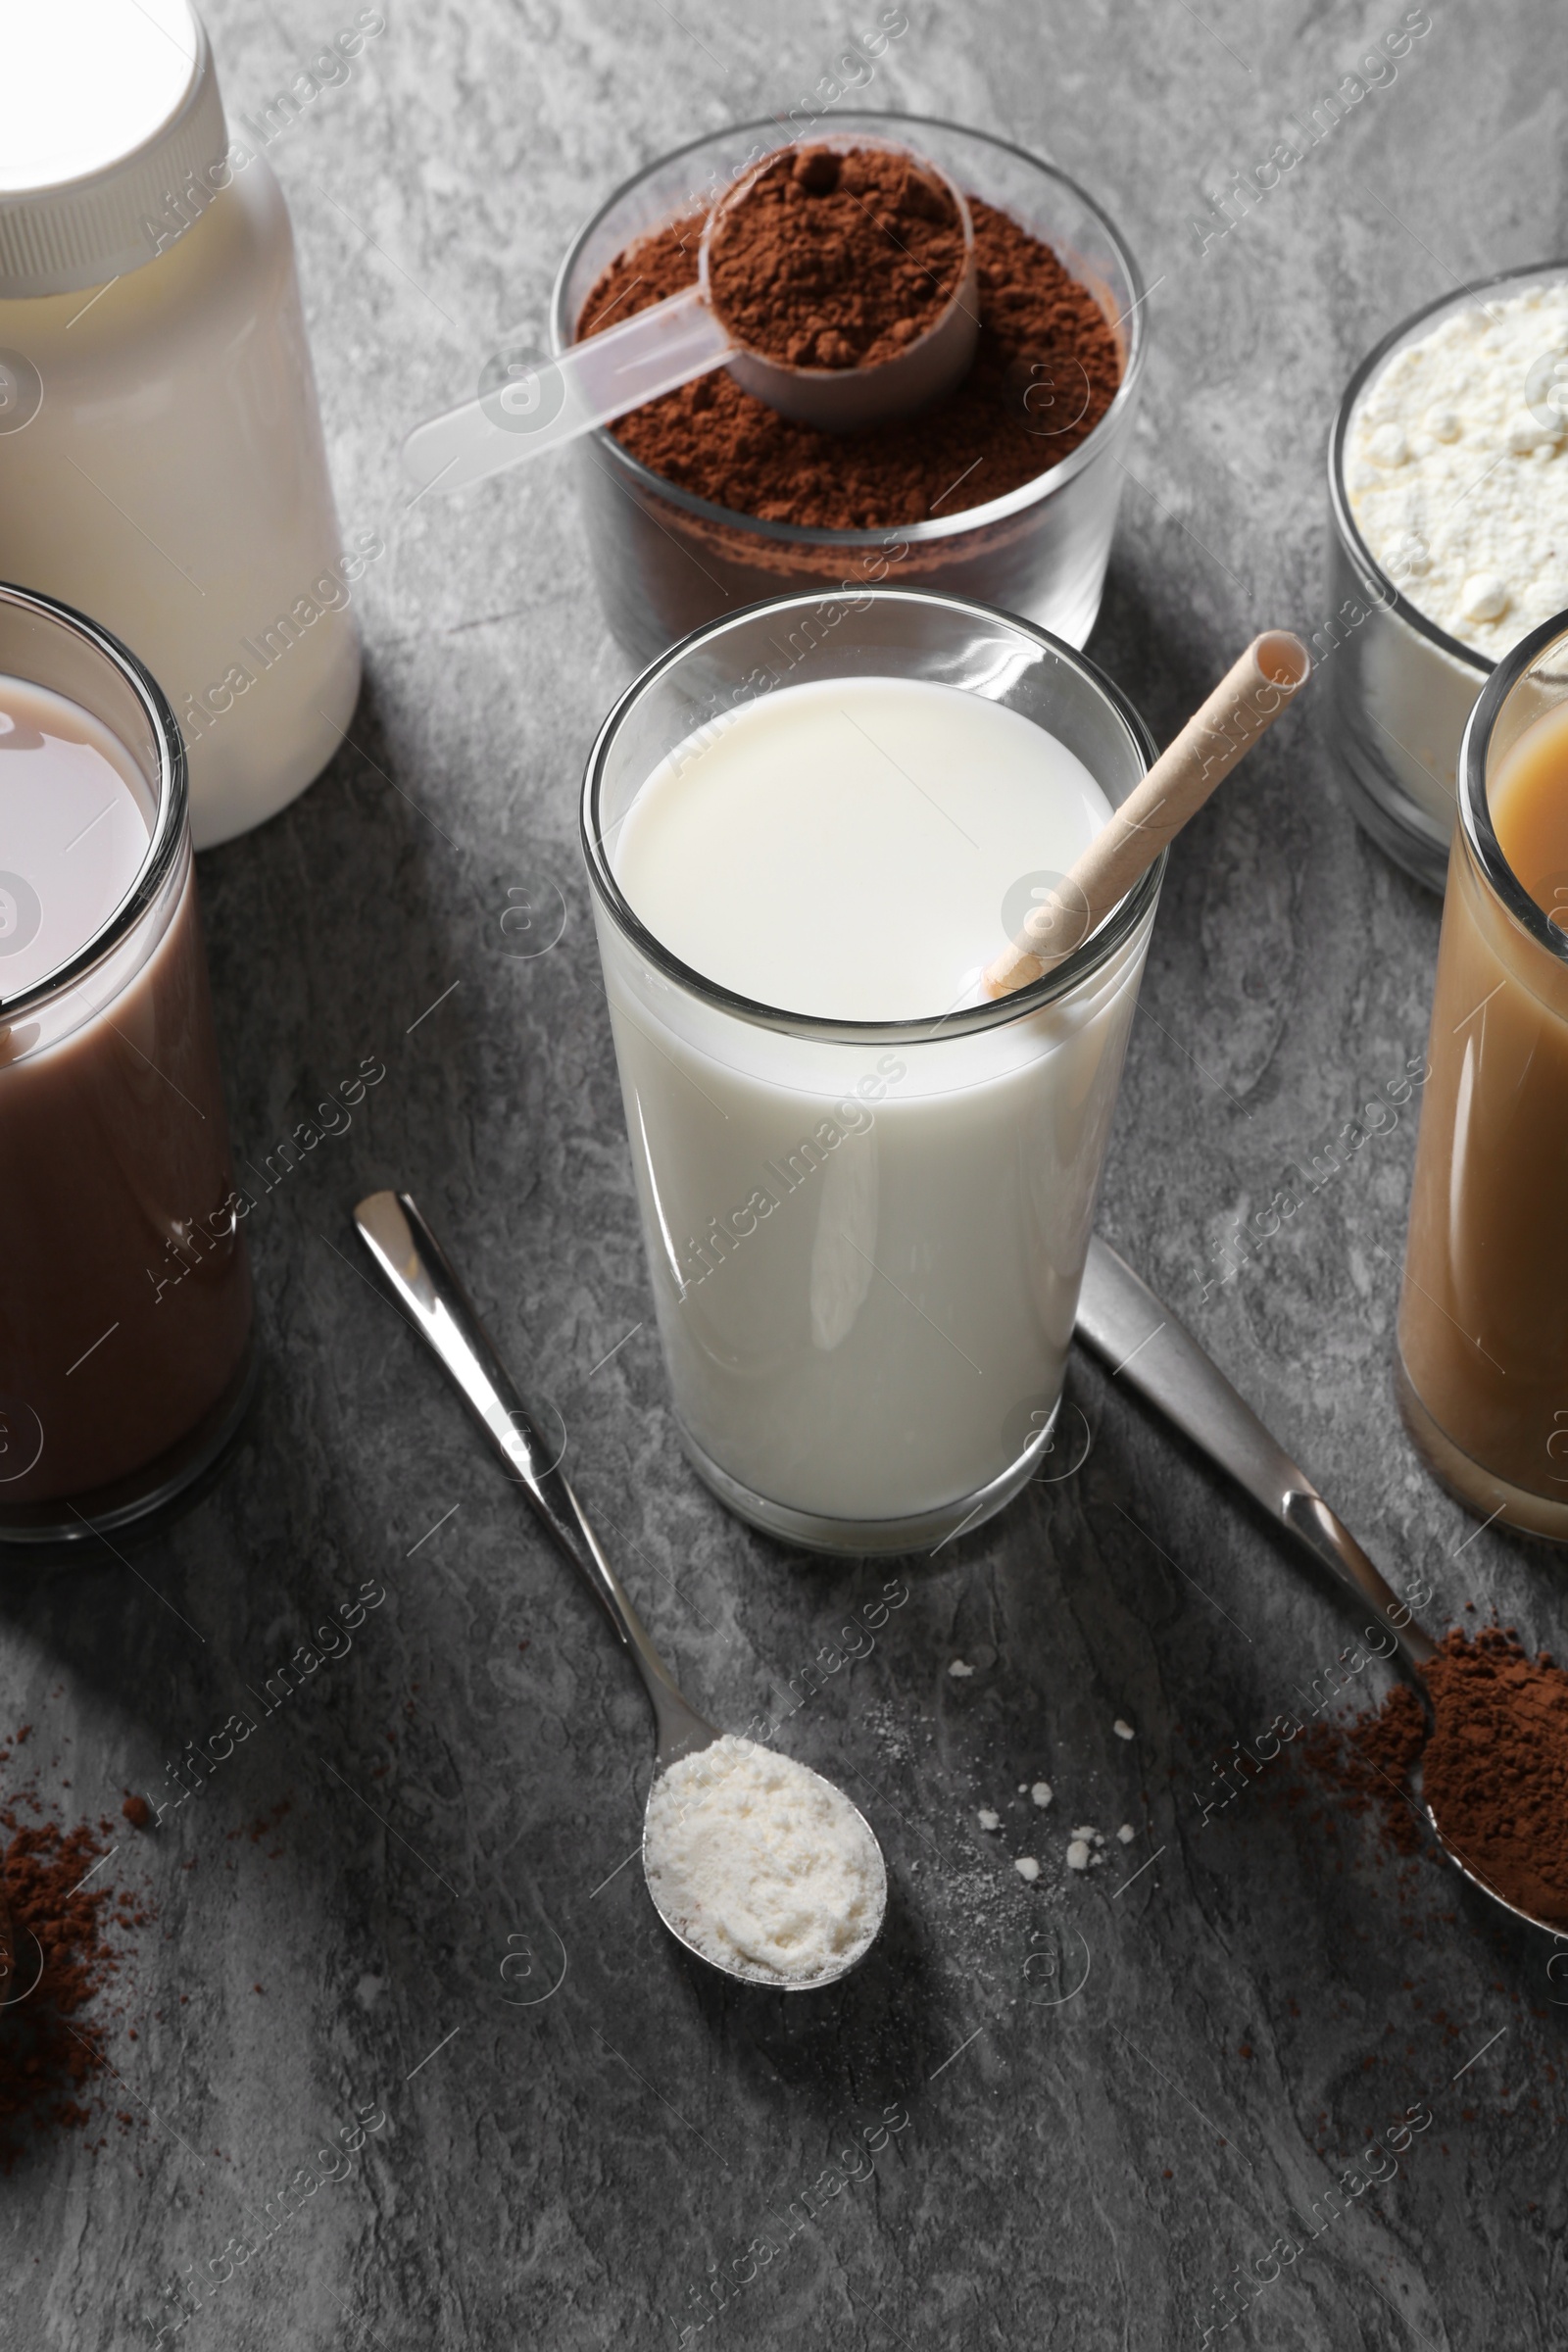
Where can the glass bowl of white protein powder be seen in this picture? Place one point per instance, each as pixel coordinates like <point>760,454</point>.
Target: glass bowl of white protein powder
<point>1448,493</point>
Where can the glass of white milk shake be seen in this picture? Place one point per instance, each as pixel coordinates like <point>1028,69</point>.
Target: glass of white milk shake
<point>867,1190</point>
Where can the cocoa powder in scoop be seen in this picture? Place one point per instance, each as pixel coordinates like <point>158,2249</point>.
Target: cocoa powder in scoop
<point>833,260</point>
<point>1046,367</point>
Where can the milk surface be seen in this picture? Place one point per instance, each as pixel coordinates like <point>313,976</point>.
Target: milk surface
<point>843,849</point>
<point>866,1255</point>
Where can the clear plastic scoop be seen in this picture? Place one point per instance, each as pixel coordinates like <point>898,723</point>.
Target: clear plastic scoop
<point>603,376</point>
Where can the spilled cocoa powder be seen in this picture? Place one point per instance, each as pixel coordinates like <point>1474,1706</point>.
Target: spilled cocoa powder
<point>1046,367</point>
<point>835,259</point>
<point>1368,1761</point>
<point>1495,1769</point>
<point>52,2045</point>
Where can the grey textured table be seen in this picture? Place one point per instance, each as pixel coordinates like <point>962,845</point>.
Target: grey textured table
<point>1078,2105</point>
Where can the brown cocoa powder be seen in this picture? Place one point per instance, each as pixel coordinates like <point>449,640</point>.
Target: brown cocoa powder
<point>1496,1769</point>
<point>53,2051</point>
<point>835,259</point>
<point>1046,367</point>
<point>1493,1769</point>
<point>1368,1761</point>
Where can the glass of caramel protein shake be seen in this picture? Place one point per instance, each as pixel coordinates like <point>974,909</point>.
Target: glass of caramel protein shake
<point>1484,1315</point>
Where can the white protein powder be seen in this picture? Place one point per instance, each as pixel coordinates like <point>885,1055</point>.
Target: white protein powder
<point>762,1864</point>
<point>1457,471</point>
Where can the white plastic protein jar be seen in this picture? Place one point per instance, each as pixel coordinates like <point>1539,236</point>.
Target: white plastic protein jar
<point>161,459</point>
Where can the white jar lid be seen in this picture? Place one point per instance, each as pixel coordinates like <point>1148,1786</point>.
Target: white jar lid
<point>111,106</point>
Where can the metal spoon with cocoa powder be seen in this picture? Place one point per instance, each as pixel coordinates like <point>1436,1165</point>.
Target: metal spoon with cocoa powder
<point>672,342</point>
<point>1121,1321</point>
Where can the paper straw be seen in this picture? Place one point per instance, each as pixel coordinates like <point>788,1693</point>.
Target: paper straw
<point>1247,699</point>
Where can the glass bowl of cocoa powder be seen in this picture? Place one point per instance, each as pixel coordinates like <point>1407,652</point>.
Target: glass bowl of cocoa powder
<point>1005,493</point>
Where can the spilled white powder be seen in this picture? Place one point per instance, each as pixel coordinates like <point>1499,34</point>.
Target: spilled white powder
<point>762,1864</point>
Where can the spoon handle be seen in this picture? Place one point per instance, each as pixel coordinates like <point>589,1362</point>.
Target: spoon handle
<point>581,388</point>
<point>428,1288</point>
<point>1122,1321</point>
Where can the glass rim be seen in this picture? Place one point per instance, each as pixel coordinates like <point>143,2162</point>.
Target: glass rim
<point>1475,813</point>
<point>1085,960</point>
<point>1392,597</point>
<point>168,818</point>
<point>1039,487</point>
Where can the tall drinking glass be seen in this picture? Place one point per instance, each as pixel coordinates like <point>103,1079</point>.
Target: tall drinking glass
<point>1482,1370</point>
<point>126,1302</point>
<point>866,1238</point>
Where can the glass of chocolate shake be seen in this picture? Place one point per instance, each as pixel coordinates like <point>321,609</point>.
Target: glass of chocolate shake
<point>125,1357</point>
<point>1483,1368</point>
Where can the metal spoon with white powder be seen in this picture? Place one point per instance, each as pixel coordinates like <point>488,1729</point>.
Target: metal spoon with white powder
<point>754,1863</point>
